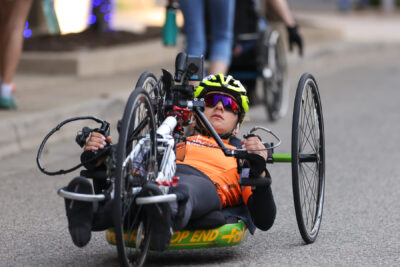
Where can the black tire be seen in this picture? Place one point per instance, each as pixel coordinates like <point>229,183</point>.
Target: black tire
<point>275,76</point>
<point>308,158</point>
<point>148,82</point>
<point>151,85</point>
<point>137,122</point>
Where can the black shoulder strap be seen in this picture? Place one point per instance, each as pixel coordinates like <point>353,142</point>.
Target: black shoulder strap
<point>234,141</point>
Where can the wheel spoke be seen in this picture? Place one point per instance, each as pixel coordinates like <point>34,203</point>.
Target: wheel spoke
<point>308,189</point>
<point>312,122</point>
<point>132,221</point>
<point>307,130</point>
<point>134,135</point>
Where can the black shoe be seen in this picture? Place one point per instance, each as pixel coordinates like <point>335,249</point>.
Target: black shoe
<point>79,213</point>
<point>160,219</point>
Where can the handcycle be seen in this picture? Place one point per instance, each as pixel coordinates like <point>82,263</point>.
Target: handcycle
<point>151,126</point>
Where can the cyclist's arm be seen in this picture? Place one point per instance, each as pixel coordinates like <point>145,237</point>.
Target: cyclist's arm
<point>260,201</point>
<point>282,10</point>
<point>262,208</point>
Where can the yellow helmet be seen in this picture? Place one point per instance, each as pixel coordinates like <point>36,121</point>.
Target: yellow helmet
<point>228,85</point>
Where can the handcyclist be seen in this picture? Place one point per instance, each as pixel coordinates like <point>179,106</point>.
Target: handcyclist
<point>208,191</point>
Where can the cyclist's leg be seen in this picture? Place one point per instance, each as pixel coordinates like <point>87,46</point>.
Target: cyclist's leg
<point>222,13</point>
<point>103,210</point>
<point>85,217</point>
<point>194,26</point>
<point>198,188</point>
<point>102,217</point>
<point>79,213</point>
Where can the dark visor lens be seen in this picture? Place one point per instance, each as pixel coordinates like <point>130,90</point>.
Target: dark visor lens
<point>229,103</point>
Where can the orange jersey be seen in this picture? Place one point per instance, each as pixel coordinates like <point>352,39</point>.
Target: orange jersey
<point>203,153</point>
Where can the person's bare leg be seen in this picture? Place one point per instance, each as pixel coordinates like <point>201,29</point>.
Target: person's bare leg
<point>217,67</point>
<point>13,38</point>
<point>5,10</point>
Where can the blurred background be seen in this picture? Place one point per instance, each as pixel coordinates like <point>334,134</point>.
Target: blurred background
<point>71,16</point>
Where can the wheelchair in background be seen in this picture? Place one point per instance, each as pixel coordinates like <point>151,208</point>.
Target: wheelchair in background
<point>259,60</point>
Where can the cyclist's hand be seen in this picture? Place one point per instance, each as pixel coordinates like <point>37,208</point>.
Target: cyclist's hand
<point>295,39</point>
<point>254,142</point>
<point>97,141</point>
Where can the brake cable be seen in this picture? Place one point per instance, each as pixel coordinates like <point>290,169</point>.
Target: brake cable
<point>80,139</point>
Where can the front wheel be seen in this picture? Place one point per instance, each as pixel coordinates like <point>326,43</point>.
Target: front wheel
<point>135,165</point>
<point>308,158</point>
<point>148,82</point>
<point>153,87</point>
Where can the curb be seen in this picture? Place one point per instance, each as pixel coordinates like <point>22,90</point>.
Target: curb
<point>27,132</point>
<point>102,61</point>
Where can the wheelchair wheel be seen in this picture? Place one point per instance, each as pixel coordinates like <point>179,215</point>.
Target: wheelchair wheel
<point>308,158</point>
<point>131,174</point>
<point>275,76</point>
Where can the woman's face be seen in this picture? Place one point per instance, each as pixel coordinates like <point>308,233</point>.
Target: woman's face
<point>222,120</point>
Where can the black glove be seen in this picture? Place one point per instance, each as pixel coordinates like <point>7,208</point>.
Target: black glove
<point>295,38</point>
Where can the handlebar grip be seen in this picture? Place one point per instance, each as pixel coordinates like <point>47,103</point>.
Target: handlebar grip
<point>89,157</point>
<point>258,182</point>
<point>180,64</point>
<point>94,174</point>
<point>251,135</point>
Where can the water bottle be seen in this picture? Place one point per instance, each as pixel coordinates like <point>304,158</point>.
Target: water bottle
<point>50,16</point>
<point>170,29</point>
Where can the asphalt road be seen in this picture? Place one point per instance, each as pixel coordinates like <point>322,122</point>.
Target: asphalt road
<point>359,86</point>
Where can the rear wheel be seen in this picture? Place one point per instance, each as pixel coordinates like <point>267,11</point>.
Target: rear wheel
<point>275,76</point>
<point>308,158</point>
<point>137,129</point>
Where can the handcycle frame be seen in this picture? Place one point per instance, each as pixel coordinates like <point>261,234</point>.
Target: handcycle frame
<point>169,129</point>
<point>308,150</point>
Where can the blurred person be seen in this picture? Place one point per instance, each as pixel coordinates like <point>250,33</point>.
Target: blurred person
<point>221,14</point>
<point>252,19</point>
<point>281,8</point>
<point>347,5</point>
<point>13,16</point>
